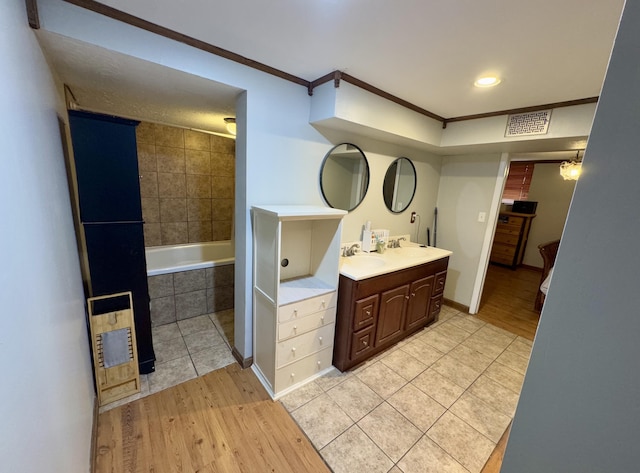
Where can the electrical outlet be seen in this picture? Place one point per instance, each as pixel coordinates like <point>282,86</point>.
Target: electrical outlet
<point>482,216</point>
<point>413,217</point>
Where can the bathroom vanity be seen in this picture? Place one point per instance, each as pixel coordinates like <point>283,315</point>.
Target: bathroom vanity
<point>385,298</point>
<point>295,263</point>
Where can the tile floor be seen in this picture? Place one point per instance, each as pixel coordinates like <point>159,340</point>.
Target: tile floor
<point>438,401</point>
<point>184,350</point>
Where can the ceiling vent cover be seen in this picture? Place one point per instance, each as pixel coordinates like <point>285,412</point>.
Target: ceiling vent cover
<point>530,123</point>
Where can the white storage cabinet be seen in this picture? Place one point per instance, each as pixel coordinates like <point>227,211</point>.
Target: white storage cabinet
<point>296,252</point>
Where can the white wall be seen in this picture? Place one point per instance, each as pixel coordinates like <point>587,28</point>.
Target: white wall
<point>578,411</point>
<point>553,195</point>
<point>467,185</point>
<point>46,399</point>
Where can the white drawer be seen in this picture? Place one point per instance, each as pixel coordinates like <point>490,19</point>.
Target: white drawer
<point>299,309</point>
<point>298,347</point>
<point>305,368</point>
<point>306,324</point>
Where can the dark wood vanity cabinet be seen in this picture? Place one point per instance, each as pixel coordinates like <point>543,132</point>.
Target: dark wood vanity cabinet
<point>375,313</point>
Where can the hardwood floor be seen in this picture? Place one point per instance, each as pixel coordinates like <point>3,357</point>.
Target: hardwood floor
<point>223,421</point>
<point>507,302</point>
<point>508,298</point>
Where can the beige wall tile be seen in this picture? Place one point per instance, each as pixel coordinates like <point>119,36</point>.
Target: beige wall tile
<point>173,210</point>
<point>221,188</point>
<point>149,184</point>
<point>145,133</point>
<point>223,164</point>
<point>174,233</point>
<point>199,210</point>
<point>147,157</point>
<point>221,230</point>
<point>172,185</point>
<point>170,159</point>
<point>150,209</point>
<point>199,231</point>
<point>198,162</point>
<point>222,209</point>
<point>152,234</point>
<point>220,144</point>
<point>196,140</point>
<point>169,136</point>
<point>198,186</point>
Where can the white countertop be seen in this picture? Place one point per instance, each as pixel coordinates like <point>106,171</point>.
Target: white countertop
<point>367,265</point>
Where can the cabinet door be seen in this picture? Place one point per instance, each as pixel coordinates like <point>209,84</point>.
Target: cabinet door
<point>419,298</point>
<point>393,304</point>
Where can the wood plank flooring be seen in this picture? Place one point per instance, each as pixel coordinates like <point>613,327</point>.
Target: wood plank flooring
<point>508,297</point>
<point>221,422</point>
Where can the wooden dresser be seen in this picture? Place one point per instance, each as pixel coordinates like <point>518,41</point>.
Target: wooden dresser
<point>511,237</point>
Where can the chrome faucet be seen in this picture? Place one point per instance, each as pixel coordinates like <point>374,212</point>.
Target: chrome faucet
<point>351,250</point>
<point>396,243</point>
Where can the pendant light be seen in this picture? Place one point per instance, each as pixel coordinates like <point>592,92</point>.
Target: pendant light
<point>570,170</point>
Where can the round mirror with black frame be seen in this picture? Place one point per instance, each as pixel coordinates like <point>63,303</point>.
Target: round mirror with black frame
<point>344,177</point>
<point>399,185</point>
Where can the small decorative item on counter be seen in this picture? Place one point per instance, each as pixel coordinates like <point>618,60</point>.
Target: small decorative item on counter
<point>380,246</point>
<point>371,238</point>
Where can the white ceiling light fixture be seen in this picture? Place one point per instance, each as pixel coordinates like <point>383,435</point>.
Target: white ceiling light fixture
<point>570,170</point>
<point>231,125</point>
<point>487,81</point>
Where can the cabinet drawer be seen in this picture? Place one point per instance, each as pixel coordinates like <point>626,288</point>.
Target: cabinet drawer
<point>298,347</point>
<point>362,342</point>
<point>303,369</point>
<point>438,285</point>
<point>507,238</point>
<point>503,250</point>
<point>306,324</point>
<point>435,306</point>
<point>308,306</point>
<point>365,312</point>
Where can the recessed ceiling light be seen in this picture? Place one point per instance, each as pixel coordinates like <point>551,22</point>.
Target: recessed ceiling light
<point>488,81</point>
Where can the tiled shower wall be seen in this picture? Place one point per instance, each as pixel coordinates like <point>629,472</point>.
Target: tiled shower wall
<point>186,294</point>
<point>186,185</point>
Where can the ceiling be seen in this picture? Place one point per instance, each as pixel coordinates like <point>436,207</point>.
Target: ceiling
<point>425,52</point>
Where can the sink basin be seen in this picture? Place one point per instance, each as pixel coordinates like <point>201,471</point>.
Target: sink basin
<point>364,261</point>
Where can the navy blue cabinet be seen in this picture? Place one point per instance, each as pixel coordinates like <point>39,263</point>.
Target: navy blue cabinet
<point>106,165</point>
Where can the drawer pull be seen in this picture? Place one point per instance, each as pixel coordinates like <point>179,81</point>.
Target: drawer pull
<point>295,328</point>
<point>413,294</point>
<point>322,303</point>
<point>365,343</point>
<point>406,297</point>
<point>320,339</point>
<point>322,319</point>
<point>293,375</point>
<point>293,350</point>
<point>319,364</point>
<point>295,312</point>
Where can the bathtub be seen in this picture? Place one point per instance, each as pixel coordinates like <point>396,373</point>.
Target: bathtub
<point>189,280</point>
<point>173,259</point>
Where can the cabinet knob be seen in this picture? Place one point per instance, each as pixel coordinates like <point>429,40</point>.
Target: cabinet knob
<point>322,319</point>
<point>293,350</point>
<point>413,294</point>
<point>406,297</point>
<point>322,304</point>
<point>319,364</point>
<point>365,343</point>
<point>293,375</point>
<point>295,312</point>
<point>295,328</point>
<point>320,339</point>
<point>368,312</point>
